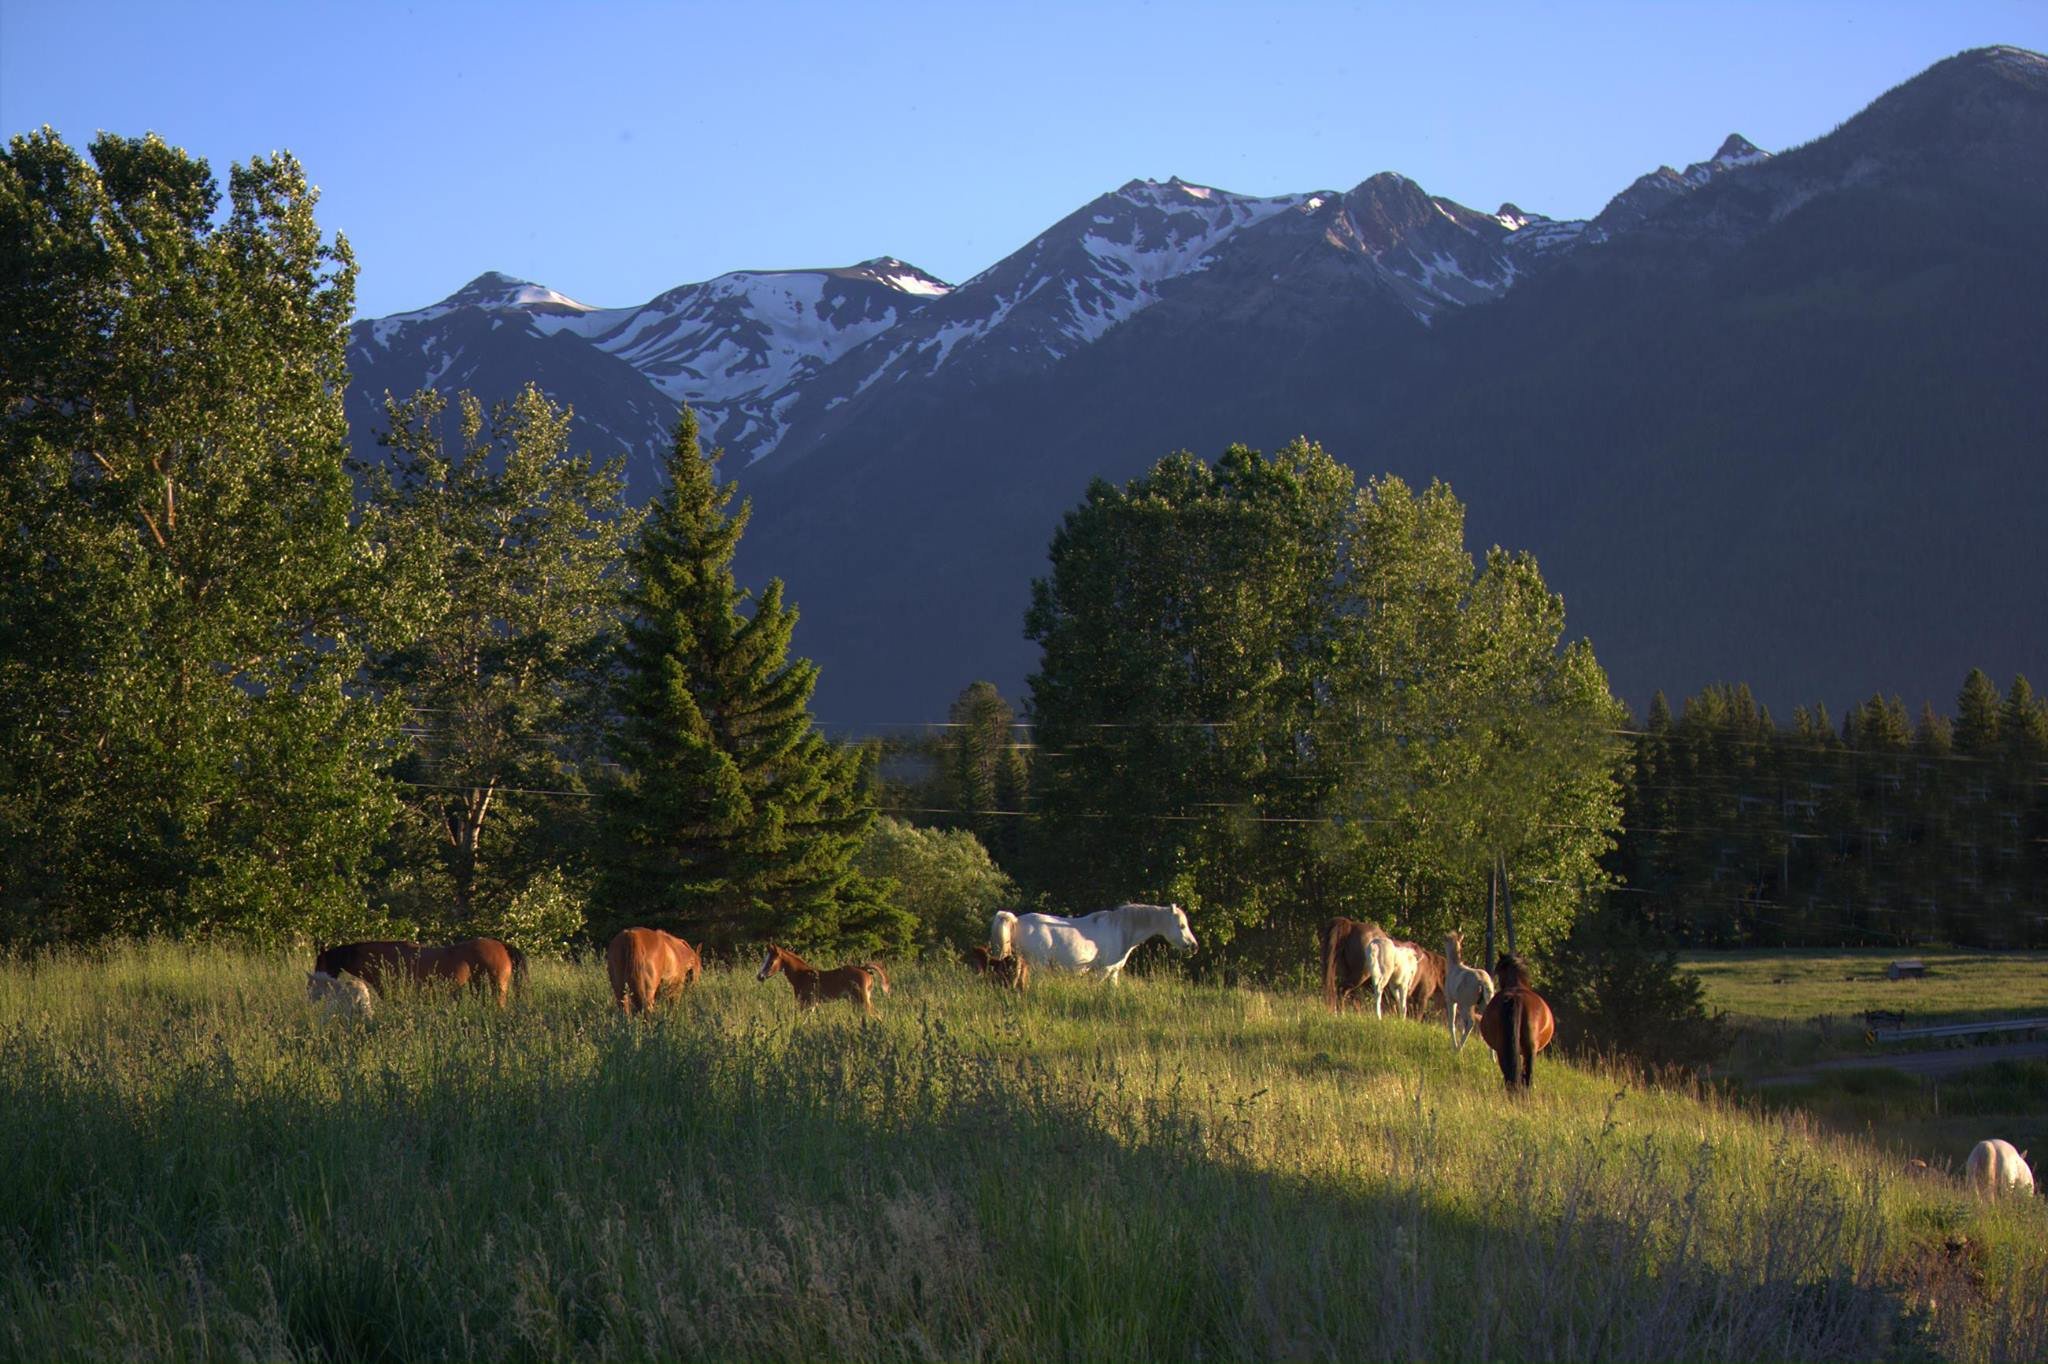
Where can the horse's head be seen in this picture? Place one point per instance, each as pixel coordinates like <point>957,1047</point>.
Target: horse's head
<point>1454,947</point>
<point>1184,936</point>
<point>770,964</point>
<point>1002,934</point>
<point>1509,972</point>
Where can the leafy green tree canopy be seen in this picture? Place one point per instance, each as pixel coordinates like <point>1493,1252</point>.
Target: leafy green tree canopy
<point>1273,696</point>
<point>507,555</point>
<point>184,740</point>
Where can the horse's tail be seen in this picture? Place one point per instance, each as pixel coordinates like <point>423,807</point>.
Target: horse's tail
<point>1517,1027</point>
<point>1330,937</point>
<point>874,968</point>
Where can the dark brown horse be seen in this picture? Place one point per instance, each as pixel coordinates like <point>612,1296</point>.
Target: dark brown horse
<point>644,962</point>
<point>1517,1023</point>
<point>369,962</point>
<point>483,964</point>
<point>854,984</point>
<point>1344,968</point>
<point>1008,973</point>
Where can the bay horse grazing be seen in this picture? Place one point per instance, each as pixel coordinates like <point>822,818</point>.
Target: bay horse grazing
<point>1008,973</point>
<point>1465,987</point>
<point>1344,958</point>
<point>1392,964</point>
<point>483,964</point>
<point>854,984</point>
<point>1517,1023</point>
<point>644,962</point>
<point>369,962</point>
<point>1094,944</point>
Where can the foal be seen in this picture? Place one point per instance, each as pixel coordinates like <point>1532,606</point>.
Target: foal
<point>1007,973</point>
<point>1517,1023</point>
<point>854,984</point>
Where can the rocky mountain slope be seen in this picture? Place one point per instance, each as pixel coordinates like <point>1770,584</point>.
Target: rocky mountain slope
<point>1769,417</point>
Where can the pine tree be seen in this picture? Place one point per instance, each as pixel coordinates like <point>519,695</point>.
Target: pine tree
<point>982,769</point>
<point>2023,724</point>
<point>1976,729</point>
<point>733,820</point>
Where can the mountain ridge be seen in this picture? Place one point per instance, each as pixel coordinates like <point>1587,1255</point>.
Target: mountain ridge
<point>1706,409</point>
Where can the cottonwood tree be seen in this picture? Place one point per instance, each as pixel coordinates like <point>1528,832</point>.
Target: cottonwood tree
<point>184,743</point>
<point>733,818</point>
<point>508,552</point>
<point>1273,696</point>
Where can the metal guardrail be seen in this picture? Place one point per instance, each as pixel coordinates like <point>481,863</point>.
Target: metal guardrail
<point>1956,1029</point>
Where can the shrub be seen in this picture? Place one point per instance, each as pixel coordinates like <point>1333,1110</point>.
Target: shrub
<point>942,877</point>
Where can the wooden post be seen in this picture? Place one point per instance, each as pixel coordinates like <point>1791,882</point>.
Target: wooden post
<point>1507,903</point>
<point>1492,898</point>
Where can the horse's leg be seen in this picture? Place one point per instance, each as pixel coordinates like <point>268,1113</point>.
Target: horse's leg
<point>1451,1019</point>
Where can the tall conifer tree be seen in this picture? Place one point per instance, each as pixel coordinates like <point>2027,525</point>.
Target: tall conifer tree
<point>733,819</point>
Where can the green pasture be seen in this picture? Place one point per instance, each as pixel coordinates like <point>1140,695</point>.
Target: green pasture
<point>1793,1009</point>
<point>198,1167</point>
<point>1800,986</point>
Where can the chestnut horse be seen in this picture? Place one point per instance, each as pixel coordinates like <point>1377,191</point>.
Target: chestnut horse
<point>643,962</point>
<point>1009,973</point>
<point>1429,978</point>
<point>1344,958</point>
<point>1517,1023</point>
<point>854,984</point>
<point>483,964</point>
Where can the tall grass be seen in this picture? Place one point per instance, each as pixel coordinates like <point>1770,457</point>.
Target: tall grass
<point>196,1167</point>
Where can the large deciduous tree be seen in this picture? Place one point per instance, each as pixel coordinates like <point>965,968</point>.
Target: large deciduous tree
<point>733,818</point>
<point>507,552</point>
<point>1274,696</point>
<point>184,745</point>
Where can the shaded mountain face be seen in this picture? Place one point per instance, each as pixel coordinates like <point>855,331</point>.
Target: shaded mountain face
<point>1776,418</point>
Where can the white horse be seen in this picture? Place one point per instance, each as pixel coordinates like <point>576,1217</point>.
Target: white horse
<point>341,996</point>
<point>1094,944</point>
<point>1996,1166</point>
<point>1390,963</point>
<point>1465,987</point>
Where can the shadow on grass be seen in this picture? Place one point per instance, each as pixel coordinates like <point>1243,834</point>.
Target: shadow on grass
<point>844,1191</point>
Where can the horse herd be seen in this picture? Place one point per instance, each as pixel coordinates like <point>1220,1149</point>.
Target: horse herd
<point>646,964</point>
<point>1512,1018</point>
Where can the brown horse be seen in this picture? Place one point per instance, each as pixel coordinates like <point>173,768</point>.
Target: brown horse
<point>854,984</point>
<point>643,962</point>
<point>1517,1023</point>
<point>369,962</point>
<point>1429,980</point>
<point>1344,966</point>
<point>483,964</point>
<point>1008,973</point>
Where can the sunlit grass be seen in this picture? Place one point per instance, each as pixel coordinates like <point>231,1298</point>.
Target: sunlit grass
<point>198,1167</point>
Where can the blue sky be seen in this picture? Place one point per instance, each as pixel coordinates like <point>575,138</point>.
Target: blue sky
<point>614,150</point>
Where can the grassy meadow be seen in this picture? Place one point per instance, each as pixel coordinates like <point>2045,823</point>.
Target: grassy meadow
<point>198,1166</point>
<point>1793,1008</point>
